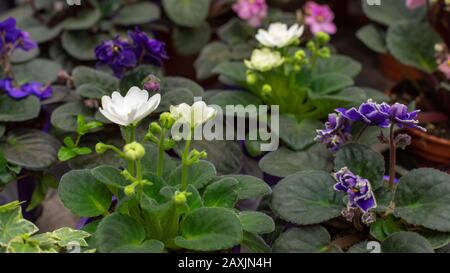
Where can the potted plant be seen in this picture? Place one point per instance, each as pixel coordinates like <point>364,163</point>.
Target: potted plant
<point>356,209</point>
<point>430,56</point>
<point>162,204</point>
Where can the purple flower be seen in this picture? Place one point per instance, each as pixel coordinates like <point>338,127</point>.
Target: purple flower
<point>14,37</point>
<point>319,18</point>
<point>359,190</point>
<point>117,54</point>
<point>152,83</point>
<point>146,49</point>
<point>30,88</point>
<point>369,113</point>
<point>336,133</point>
<point>252,11</point>
<point>398,114</point>
<point>414,4</point>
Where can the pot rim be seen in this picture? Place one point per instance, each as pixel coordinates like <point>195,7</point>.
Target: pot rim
<point>429,137</point>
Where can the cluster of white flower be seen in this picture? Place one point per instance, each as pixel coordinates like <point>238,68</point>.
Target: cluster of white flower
<point>277,36</point>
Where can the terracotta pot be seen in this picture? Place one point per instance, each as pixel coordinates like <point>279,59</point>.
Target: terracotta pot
<point>396,71</point>
<point>431,150</point>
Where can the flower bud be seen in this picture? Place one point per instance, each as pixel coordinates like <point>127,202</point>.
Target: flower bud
<point>266,90</point>
<point>155,128</point>
<point>152,83</point>
<point>101,148</point>
<point>325,52</point>
<point>167,120</point>
<point>322,37</point>
<point>251,78</point>
<point>402,141</point>
<point>129,190</point>
<point>300,55</point>
<point>180,197</point>
<point>134,151</point>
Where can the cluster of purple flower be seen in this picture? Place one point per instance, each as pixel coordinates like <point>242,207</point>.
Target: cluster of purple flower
<point>12,38</point>
<point>121,55</point>
<point>337,129</point>
<point>359,190</point>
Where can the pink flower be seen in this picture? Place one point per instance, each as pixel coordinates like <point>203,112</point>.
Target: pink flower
<point>252,11</point>
<point>444,67</point>
<point>319,18</point>
<point>414,4</point>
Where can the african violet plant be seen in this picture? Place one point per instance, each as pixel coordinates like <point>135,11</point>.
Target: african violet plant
<point>154,203</point>
<point>26,148</point>
<point>20,236</point>
<point>356,205</point>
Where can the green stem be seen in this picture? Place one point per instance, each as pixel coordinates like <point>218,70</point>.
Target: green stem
<point>160,166</point>
<point>131,138</point>
<point>139,179</point>
<point>184,163</point>
<point>77,142</point>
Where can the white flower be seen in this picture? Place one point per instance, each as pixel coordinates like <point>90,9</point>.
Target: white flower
<point>194,115</point>
<point>278,35</point>
<point>264,60</point>
<point>130,109</point>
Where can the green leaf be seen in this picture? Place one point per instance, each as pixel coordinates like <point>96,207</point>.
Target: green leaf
<point>250,186</point>
<point>83,195</point>
<point>231,73</point>
<point>235,98</point>
<point>338,64</point>
<point>39,194</point>
<point>392,12</point>
<point>67,236</point>
<point>307,198</point>
<point>254,243</point>
<point>65,154</point>
<point>199,174</point>
<point>12,110</point>
<point>31,149</point>
<point>65,116</point>
<point>136,14</point>
<point>373,37</point>
<point>218,150</point>
<point>39,70</point>
<point>110,176</point>
<point>80,44</point>
<point>284,162</point>
<point>211,56</point>
<point>423,198</point>
<point>412,43</point>
<point>175,83</point>
<point>235,31</point>
<point>329,83</point>
<point>20,56</point>
<point>12,225</point>
<point>175,97</point>
<point>312,239</point>
<point>360,247</point>
<point>436,239</point>
<point>406,242</point>
<point>362,161</point>
<point>256,222</point>
<point>150,164</point>
<point>91,83</point>
<point>221,193</point>
<point>189,41</point>
<point>82,20</point>
<point>210,229</point>
<point>298,135</point>
<point>121,233</point>
<point>189,13</point>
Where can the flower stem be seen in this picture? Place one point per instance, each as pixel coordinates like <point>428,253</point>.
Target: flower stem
<point>131,137</point>
<point>392,158</point>
<point>160,165</point>
<point>184,163</point>
<point>139,179</point>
